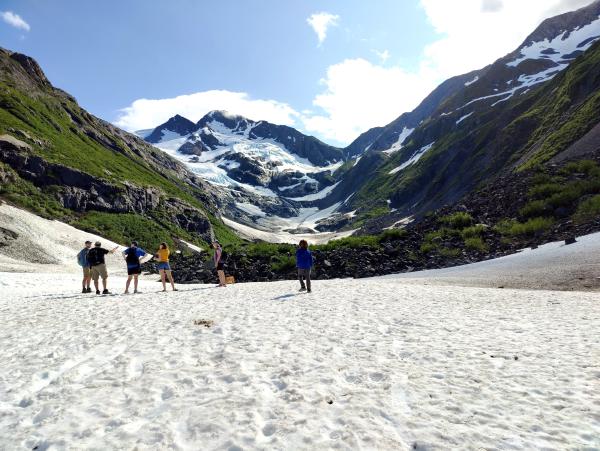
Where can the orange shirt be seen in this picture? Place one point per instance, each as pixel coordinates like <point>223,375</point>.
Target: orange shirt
<point>163,255</point>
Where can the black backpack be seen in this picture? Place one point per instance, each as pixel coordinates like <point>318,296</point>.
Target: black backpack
<point>93,257</point>
<point>132,257</point>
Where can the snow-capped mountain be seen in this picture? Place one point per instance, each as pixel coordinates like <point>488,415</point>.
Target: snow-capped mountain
<point>446,147</point>
<point>554,44</point>
<point>459,137</point>
<point>263,169</point>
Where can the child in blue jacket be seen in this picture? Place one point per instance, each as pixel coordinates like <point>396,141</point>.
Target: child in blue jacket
<point>304,262</point>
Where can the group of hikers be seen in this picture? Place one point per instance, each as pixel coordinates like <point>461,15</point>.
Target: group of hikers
<point>92,261</point>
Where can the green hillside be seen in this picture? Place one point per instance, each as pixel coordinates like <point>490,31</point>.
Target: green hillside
<point>54,154</point>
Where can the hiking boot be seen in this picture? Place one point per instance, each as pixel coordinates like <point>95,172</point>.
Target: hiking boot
<point>302,289</point>
<point>84,290</point>
<point>97,291</point>
<point>88,290</point>
<point>105,292</point>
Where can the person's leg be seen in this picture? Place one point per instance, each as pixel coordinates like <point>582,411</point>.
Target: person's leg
<point>301,279</point>
<point>163,278</point>
<point>170,275</point>
<point>127,284</point>
<point>89,280</point>
<point>84,281</point>
<point>221,274</point>
<point>95,276</point>
<point>104,275</point>
<point>307,276</point>
<point>135,282</point>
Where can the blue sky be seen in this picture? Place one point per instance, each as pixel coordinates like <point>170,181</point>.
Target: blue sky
<point>262,58</point>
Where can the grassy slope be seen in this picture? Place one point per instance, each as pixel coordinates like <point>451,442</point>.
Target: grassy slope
<point>60,131</point>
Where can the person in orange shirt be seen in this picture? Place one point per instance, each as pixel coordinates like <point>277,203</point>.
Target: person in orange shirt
<point>162,255</point>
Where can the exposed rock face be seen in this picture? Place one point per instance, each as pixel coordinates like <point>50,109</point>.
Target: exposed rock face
<point>81,192</point>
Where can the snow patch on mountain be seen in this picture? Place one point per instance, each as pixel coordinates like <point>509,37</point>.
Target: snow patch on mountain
<point>316,196</point>
<point>559,48</point>
<point>413,159</point>
<point>463,118</point>
<point>404,134</point>
<point>470,82</point>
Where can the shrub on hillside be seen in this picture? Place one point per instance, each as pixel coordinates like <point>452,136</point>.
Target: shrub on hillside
<point>588,209</point>
<point>458,220</point>
<point>528,228</point>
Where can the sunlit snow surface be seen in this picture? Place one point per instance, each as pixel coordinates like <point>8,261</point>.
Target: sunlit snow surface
<point>379,363</point>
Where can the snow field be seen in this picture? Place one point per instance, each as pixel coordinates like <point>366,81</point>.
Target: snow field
<point>357,364</point>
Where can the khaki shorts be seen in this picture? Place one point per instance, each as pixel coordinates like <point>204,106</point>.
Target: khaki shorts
<point>99,271</point>
<point>87,272</point>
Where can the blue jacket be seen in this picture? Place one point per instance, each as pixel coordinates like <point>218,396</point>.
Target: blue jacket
<point>304,259</point>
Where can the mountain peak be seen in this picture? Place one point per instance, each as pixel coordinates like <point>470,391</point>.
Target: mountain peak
<point>177,124</point>
<point>29,65</point>
<point>564,23</point>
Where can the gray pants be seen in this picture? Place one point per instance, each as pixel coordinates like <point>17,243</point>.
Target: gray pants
<point>304,274</point>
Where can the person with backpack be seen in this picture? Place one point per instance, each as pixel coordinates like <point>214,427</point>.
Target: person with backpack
<point>82,259</point>
<point>132,256</point>
<point>97,263</point>
<point>164,269</point>
<point>219,259</point>
<point>304,262</point>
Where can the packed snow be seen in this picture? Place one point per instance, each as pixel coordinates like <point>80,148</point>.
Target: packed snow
<point>552,266</point>
<point>253,233</point>
<point>379,363</point>
<point>413,159</point>
<point>44,245</point>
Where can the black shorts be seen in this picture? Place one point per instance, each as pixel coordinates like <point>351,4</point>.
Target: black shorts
<point>220,266</point>
<point>134,270</point>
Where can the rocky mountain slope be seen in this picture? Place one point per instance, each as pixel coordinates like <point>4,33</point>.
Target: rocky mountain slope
<point>523,110</point>
<point>61,162</point>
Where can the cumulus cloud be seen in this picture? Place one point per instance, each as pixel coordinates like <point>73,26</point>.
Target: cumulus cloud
<point>359,95</point>
<point>320,23</point>
<point>14,20</point>
<point>148,113</point>
<point>491,6</point>
<point>474,33</point>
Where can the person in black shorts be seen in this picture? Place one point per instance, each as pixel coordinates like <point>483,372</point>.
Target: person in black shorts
<point>132,256</point>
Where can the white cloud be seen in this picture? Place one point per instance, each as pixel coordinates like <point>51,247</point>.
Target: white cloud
<point>477,32</point>
<point>360,95</point>
<point>320,22</point>
<point>148,113</point>
<point>14,20</point>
